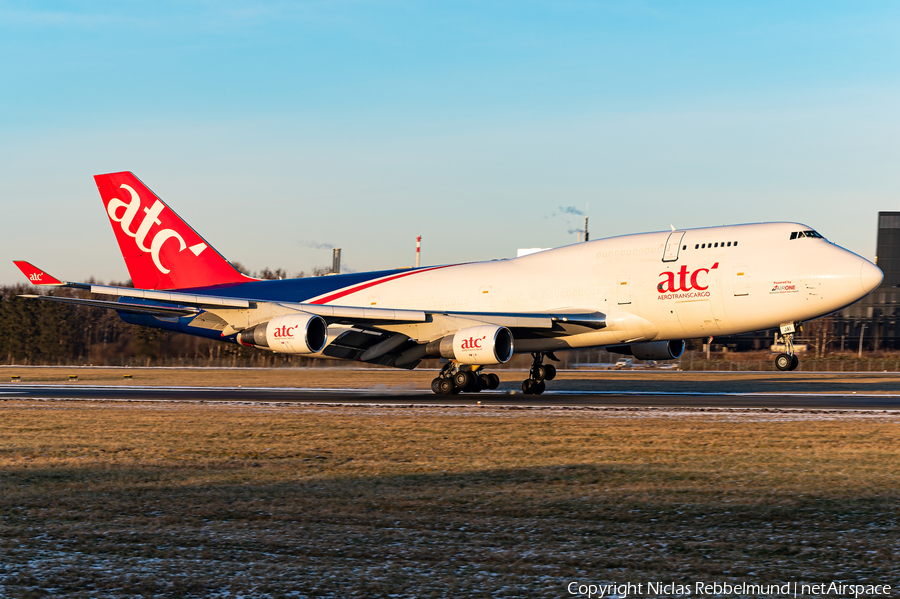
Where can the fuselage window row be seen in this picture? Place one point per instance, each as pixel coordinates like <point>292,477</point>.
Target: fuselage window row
<point>705,246</point>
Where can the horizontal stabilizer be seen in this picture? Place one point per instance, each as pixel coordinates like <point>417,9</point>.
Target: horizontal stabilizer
<point>120,306</point>
<point>35,274</point>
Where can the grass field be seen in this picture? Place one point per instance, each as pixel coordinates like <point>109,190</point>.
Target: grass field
<point>108,499</point>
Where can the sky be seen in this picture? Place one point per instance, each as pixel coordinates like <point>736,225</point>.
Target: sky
<point>281,129</point>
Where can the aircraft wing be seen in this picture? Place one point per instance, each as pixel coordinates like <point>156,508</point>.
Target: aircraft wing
<point>368,334</point>
<point>172,302</point>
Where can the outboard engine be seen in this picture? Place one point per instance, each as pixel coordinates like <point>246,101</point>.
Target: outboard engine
<point>654,350</point>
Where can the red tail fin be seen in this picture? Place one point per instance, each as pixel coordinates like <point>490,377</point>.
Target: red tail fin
<point>161,251</point>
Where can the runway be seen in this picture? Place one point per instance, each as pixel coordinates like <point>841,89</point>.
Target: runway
<point>402,396</point>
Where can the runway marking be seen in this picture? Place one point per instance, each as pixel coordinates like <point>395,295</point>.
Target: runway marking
<point>326,391</point>
<point>381,390</point>
<point>676,411</point>
<point>725,393</point>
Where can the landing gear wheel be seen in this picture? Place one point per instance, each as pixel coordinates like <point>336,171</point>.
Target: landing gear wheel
<point>539,373</point>
<point>484,382</point>
<point>465,380</point>
<point>436,385</point>
<point>494,381</point>
<point>784,361</point>
<point>788,360</point>
<point>460,379</point>
<point>549,372</point>
<point>446,387</point>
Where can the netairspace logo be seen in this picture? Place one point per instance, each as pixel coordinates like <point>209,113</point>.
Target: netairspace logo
<point>615,590</point>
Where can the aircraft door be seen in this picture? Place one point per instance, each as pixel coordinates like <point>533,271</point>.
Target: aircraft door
<point>741,280</point>
<point>673,246</point>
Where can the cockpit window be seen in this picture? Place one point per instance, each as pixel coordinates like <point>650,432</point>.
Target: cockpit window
<point>801,234</point>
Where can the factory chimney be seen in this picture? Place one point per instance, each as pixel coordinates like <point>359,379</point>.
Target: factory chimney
<point>587,237</point>
<point>336,261</point>
<point>418,249</point>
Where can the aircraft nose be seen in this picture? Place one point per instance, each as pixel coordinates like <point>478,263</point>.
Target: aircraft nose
<point>870,276</point>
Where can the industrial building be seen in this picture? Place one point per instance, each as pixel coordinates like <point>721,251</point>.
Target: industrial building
<point>875,316</point>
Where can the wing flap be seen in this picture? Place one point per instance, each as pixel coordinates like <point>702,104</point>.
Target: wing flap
<point>536,320</point>
<point>172,297</point>
<point>351,313</point>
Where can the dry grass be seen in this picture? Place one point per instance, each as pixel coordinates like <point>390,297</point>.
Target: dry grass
<point>368,378</point>
<point>200,500</point>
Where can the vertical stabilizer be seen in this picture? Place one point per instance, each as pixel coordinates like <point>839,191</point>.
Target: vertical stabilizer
<point>161,251</point>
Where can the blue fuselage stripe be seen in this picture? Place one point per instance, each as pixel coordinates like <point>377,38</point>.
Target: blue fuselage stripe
<point>291,290</point>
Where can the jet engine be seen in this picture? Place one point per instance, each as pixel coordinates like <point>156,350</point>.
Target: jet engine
<point>481,345</point>
<point>300,333</point>
<point>654,350</point>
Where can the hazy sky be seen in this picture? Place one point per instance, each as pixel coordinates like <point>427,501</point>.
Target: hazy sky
<point>277,129</point>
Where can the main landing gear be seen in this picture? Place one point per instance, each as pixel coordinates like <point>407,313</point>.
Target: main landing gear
<point>787,360</point>
<point>455,379</point>
<point>540,372</point>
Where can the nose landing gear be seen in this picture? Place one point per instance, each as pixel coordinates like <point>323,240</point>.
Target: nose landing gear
<point>454,379</point>
<point>787,360</point>
<point>540,372</point>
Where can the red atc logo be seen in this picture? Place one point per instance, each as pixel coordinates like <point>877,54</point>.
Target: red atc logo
<point>472,343</point>
<point>35,277</point>
<point>284,332</point>
<point>686,281</point>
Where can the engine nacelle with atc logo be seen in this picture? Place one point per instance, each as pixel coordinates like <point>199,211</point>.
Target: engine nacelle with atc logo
<point>290,334</point>
<point>478,346</point>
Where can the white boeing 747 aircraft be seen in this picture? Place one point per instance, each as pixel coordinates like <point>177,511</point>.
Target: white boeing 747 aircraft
<point>641,295</point>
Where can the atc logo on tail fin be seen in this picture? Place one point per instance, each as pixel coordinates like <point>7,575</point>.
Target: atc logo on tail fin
<point>161,251</point>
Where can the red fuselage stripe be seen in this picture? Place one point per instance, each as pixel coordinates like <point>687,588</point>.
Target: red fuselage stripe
<point>361,286</point>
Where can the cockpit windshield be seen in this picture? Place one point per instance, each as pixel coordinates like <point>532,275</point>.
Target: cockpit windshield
<point>801,234</point>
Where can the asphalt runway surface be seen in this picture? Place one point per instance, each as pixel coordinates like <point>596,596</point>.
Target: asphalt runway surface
<point>376,396</point>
